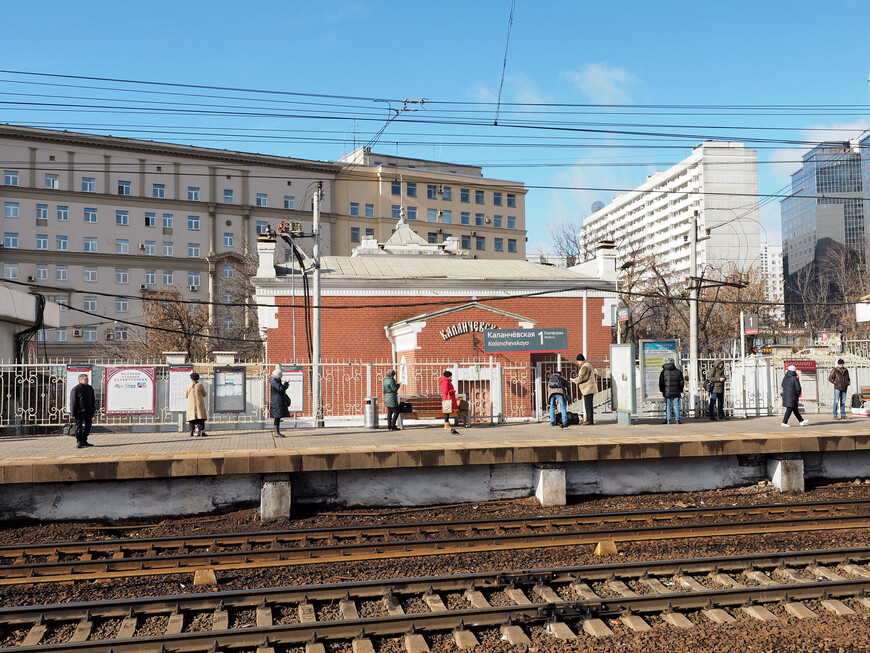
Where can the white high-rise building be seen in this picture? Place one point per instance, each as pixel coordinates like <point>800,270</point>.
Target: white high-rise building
<point>651,223</point>
<point>772,277</point>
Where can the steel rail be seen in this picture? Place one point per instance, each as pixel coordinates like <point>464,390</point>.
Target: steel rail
<point>430,622</point>
<point>309,535</point>
<point>88,569</point>
<point>374,589</point>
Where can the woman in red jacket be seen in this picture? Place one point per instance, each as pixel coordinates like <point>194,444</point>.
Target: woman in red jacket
<point>448,400</point>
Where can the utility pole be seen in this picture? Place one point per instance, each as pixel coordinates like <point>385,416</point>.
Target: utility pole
<point>316,394</point>
<point>693,314</point>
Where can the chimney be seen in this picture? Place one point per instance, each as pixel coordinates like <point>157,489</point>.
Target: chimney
<point>266,252</point>
<point>605,257</point>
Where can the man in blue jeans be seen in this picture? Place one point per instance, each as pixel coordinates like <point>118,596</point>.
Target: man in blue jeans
<point>840,378</point>
<point>557,387</point>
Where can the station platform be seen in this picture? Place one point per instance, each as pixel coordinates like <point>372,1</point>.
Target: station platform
<point>347,466</point>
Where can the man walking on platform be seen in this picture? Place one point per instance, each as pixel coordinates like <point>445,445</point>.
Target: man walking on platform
<point>840,378</point>
<point>588,386</point>
<point>82,406</point>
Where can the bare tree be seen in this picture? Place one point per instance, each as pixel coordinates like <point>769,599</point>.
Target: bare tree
<point>569,240</point>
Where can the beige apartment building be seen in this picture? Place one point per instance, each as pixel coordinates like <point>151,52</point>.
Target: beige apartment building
<point>437,200</point>
<point>99,223</point>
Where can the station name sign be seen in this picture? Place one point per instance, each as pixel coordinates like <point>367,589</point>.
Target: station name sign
<point>524,340</point>
<point>465,327</point>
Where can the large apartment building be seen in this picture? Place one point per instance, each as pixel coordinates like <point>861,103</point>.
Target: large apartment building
<point>100,223</point>
<point>773,279</point>
<point>651,223</point>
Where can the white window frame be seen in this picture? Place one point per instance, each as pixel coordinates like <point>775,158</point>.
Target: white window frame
<point>90,275</point>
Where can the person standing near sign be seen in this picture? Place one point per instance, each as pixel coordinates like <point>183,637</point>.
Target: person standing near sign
<point>588,386</point>
<point>557,388</point>
<point>840,378</point>
<point>82,406</point>
<point>791,393</point>
<point>279,402</point>
<point>671,384</point>
<point>716,376</point>
<point>196,413</point>
<point>391,399</point>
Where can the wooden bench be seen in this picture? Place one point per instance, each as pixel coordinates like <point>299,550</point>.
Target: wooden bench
<point>429,407</point>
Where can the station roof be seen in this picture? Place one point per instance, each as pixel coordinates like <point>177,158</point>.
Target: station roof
<point>434,267</point>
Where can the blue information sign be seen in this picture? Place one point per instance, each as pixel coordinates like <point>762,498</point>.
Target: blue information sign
<point>505,340</point>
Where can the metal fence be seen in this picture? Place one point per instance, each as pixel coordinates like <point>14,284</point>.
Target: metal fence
<point>33,398</point>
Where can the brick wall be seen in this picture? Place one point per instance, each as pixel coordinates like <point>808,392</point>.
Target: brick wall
<point>358,333</point>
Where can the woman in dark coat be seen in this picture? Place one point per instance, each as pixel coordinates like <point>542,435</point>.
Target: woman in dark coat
<point>791,392</point>
<point>278,400</point>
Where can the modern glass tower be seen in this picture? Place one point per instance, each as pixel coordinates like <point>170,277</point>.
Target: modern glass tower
<point>825,212</point>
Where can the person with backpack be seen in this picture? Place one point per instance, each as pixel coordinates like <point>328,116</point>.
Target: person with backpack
<point>588,386</point>
<point>671,386</point>
<point>557,388</point>
<point>840,378</point>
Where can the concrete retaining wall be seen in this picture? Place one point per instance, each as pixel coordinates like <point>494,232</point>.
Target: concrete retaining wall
<point>402,487</point>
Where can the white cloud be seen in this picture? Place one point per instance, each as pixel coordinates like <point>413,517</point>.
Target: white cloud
<point>603,84</point>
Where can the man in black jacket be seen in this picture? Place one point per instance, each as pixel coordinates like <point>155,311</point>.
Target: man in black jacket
<point>82,406</point>
<point>671,386</point>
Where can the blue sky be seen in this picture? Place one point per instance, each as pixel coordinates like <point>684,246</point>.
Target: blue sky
<point>739,53</point>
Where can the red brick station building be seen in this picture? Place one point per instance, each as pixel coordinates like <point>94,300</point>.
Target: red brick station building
<point>407,302</point>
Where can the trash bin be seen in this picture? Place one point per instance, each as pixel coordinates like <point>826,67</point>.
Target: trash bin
<point>370,413</point>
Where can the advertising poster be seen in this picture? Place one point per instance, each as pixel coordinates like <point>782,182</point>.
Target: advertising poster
<point>72,378</point>
<point>653,354</point>
<point>294,376</point>
<point>130,390</point>
<point>806,371</point>
<point>229,389</point>
<point>179,379</point>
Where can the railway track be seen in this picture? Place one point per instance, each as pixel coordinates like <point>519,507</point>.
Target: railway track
<point>585,601</point>
<point>72,561</point>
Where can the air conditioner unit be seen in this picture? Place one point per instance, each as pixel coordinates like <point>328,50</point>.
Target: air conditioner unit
<point>193,288</point>
<point>142,286</point>
<point>487,220</point>
<point>440,189</point>
<point>29,278</point>
<point>142,246</point>
<point>110,335</point>
<point>77,333</point>
<point>473,233</point>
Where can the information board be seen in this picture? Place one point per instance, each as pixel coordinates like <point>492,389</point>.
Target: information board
<point>295,390</point>
<point>130,390</point>
<point>653,354</point>
<point>509,340</point>
<point>806,371</point>
<point>179,379</point>
<point>72,379</point>
<point>622,387</point>
<point>229,390</point>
